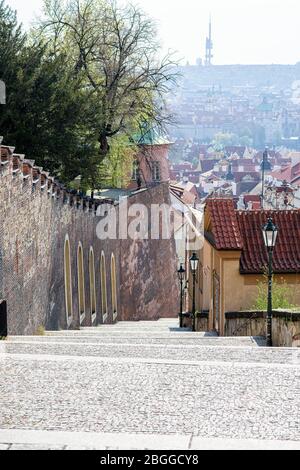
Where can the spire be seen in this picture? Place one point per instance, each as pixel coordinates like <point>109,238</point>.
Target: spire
<point>209,45</point>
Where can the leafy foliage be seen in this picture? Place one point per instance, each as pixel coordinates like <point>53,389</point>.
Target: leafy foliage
<point>78,86</point>
<point>282,295</point>
<point>221,140</point>
<point>117,169</point>
<point>43,114</point>
<point>114,49</point>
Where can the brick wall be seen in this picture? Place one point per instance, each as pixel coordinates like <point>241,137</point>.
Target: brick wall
<point>146,157</point>
<point>149,282</point>
<point>36,216</point>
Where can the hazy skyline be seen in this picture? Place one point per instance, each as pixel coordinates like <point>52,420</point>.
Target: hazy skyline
<point>247,31</point>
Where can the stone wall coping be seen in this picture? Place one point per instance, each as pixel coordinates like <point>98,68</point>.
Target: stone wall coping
<point>286,314</point>
<point>199,315</point>
<point>17,164</point>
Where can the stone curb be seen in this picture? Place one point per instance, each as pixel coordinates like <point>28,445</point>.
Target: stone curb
<point>19,439</point>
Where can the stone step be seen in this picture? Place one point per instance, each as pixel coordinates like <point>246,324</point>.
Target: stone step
<point>130,333</point>
<point>17,440</point>
<point>146,340</point>
<point>162,352</point>
<point>135,326</point>
<point>103,331</point>
<point>111,329</point>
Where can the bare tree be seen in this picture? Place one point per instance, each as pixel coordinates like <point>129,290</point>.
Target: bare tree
<point>116,51</point>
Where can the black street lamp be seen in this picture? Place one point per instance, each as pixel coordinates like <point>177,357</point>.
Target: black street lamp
<point>270,233</point>
<point>181,274</point>
<point>194,261</point>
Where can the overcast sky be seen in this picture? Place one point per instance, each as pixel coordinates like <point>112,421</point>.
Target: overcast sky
<point>244,31</point>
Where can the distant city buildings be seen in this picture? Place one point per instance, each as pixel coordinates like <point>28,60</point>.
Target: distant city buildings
<point>226,116</point>
<point>237,171</point>
<point>256,105</point>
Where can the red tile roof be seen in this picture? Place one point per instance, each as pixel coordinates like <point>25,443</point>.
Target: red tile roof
<point>284,173</point>
<point>254,258</point>
<point>240,150</point>
<point>225,229</point>
<point>208,165</point>
<point>252,198</point>
<point>290,173</point>
<point>256,205</point>
<point>242,230</point>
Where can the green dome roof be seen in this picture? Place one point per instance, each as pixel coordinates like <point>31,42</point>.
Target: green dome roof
<point>150,136</point>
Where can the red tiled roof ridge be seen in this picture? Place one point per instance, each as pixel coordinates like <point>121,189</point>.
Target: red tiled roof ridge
<point>267,212</point>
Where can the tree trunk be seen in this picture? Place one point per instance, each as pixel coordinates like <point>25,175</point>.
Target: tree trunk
<point>104,145</point>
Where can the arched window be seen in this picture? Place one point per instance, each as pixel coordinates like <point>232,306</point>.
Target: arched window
<point>114,298</point>
<point>81,285</point>
<point>68,281</point>
<point>92,285</point>
<point>103,288</point>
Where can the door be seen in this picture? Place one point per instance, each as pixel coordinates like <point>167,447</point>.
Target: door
<point>216,301</point>
<point>3,319</point>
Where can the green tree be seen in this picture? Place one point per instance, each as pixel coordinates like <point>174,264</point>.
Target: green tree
<point>79,85</point>
<point>117,169</point>
<point>245,140</point>
<point>222,140</point>
<point>115,49</point>
<point>282,295</point>
<point>44,107</point>
<point>12,41</point>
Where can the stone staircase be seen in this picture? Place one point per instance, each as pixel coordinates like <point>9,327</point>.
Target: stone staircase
<point>147,385</point>
<point>144,341</point>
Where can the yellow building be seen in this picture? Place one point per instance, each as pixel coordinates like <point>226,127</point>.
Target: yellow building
<point>234,258</point>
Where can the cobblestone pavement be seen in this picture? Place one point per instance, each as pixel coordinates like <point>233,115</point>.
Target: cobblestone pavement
<point>196,389</point>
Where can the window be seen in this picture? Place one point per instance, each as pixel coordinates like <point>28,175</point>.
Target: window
<point>114,287</point>
<point>103,288</point>
<point>81,286</point>
<point>156,171</point>
<point>92,285</point>
<point>68,281</point>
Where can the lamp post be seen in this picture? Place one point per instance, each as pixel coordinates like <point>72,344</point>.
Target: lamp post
<point>270,233</point>
<point>181,274</point>
<point>194,261</point>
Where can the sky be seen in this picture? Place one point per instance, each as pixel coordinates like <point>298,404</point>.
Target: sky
<point>244,31</point>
